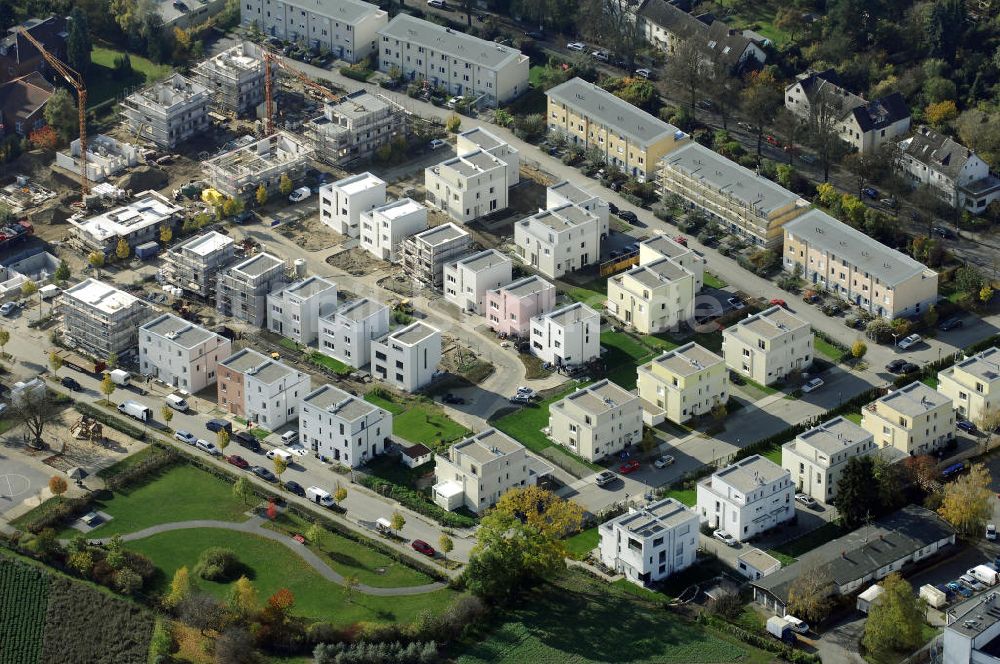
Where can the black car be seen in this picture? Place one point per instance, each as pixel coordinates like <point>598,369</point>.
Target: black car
<point>943,232</point>
<point>628,215</point>
<point>295,488</point>
<point>215,425</point>
<point>735,378</point>
<point>452,399</point>
<point>909,368</point>
<point>951,323</point>
<point>612,208</point>
<point>895,366</point>
<point>71,383</point>
<point>263,473</point>
<point>247,440</point>
<point>535,34</point>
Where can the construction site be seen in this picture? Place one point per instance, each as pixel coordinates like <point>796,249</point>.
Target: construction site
<point>234,78</point>
<point>106,157</point>
<point>168,112</point>
<point>355,127</point>
<point>240,172</point>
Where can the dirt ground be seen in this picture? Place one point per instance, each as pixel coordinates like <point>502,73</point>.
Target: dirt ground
<point>311,234</point>
<point>357,262</point>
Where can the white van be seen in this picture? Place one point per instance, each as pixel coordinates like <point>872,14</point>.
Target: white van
<point>319,496</point>
<point>48,292</point>
<point>120,377</point>
<point>287,457</point>
<point>136,410</point>
<point>177,403</point>
<point>383,525</point>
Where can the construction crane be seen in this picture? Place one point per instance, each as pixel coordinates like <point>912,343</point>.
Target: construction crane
<point>270,57</point>
<point>74,79</point>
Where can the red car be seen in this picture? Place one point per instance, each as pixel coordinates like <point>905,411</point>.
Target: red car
<point>772,140</point>
<point>629,467</point>
<point>777,302</point>
<point>238,461</point>
<point>423,547</point>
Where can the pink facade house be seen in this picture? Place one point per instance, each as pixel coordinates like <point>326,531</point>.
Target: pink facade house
<point>509,309</point>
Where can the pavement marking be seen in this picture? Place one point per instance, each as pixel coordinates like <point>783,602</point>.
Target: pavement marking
<point>13,485</point>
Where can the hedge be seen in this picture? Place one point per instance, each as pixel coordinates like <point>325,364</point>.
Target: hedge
<point>104,417</point>
<point>416,502</point>
<point>357,74</point>
<point>764,642</point>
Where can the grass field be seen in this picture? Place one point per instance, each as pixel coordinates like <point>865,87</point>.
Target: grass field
<point>418,422</point>
<point>853,417</point>
<point>774,454</point>
<point>687,496</point>
<point>577,620</point>
<point>593,293</point>
<point>585,541</point>
<point>331,363</point>
<point>525,425</point>
<point>713,281</point>
<point>625,353</point>
<point>930,381</point>
<point>24,594</point>
<point>181,493</point>
<point>271,566</point>
<point>808,542</point>
<point>104,83</point>
<point>827,349</point>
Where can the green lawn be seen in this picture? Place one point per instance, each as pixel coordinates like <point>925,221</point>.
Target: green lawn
<point>774,454</point>
<point>419,422</point>
<point>826,348</point>
<point>853,417</point>
<point>593,293</point>
<point>331,363</point>
<point>349,557</point>
<point>585,541</point>
<point>104,83</point>
<point>577,620</point>
<point>624,354</point>
<point>181,493</point>
<point>271,566</point>
<point>930,381</point>
<point>713,281</point>
<point>687,496</point>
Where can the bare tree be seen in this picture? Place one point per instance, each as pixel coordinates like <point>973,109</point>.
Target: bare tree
<point>824,115</point>
<point>613,22</point>
<point>687,68</point>
<point>34,410</point>
<point>791,128</point>
<point>724,89</point>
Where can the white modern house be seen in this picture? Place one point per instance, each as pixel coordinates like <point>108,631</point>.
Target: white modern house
<point>479,138</point>
<point>343,428</point>
<point>180,353</point>
<point>567,336</point>
<point>654,297</point>
<point>478,470</point>
<point>768,346</point>
<point>408,357</point>
<point>342,202</point>
<point>466,66</point>
<point>347,333</point>
<point>559,240</point>
<point>384,228</point>
<point>294,310</point>
<point>596,421</point>
<point>468,186</point>
<point>756,564</point>
<point>817,458</point>
<point>346,28</point>
<point>651,542</point>
<point>566,193</point>
<point>747,498</point>
<point>467,279</point>
<point>973,385</point>
<point>261,390</point>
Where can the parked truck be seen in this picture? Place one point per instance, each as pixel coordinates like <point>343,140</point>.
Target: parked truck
<point>120,377</point>
<point>80,362</point>
<point>780,629</point>
<point>985,574</point>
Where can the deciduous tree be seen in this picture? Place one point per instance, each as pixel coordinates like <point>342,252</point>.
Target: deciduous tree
<point>167,413</point>
<point>967,502</point>
<point>4,340</point>
<point>222,439</point>
<point>809,595</point>
<point>122,251</point>
<point>351,583</point>
<point>62,272</point>
<point>858,349</point>
<point>55,363</point>
<point>453,123</point>
<point>244,492</point>
<point>243,599</point>
<point>58,486</point>
<point>761,100</point>
<point>166,235</point>
<point>261,195</point>
<point>108,388</point>
<point>280,466</point>
<point>446,545</point>
<point>339,494</point>
<point>397,521</point>
<point>34,410</point>
<point>687,69</point>
<point>60,114</point>
<point>180,588</point>
<point>895,620</point>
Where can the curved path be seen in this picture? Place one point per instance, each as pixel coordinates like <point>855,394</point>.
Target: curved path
<point>253,526</point>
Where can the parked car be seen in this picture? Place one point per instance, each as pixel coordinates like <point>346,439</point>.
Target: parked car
<point>297,450</point>
<point>451,102</point>
<point>629,467</point>
<point>736,303</point>
<point>870,192</point>
<point>613,209</point>
<point>664,461</point>
<point>942,232</point>
<point>436,143</point>
<point>247,440</point>
<point>206,446</point>
<point>909,368</point>
<point>576,46</point>
<point>896,366</point>
<point>910,341</point>
<point>537,35</point>
<point>215,425</point>
<point>628,216</point>
<point>71,384</point>
<point>971,582</point>
<point>452,399</point>
<point>185,437</point>
<point>300,194</point>
<point>805,499</point>
<point>526,391</point>
<point>644,73</point>
<point>604,478</point>
<point>423,547</point>
<point>811,298</point>
<point>238,461</point>
<point>725,537</point>
<point>735,378</point>
<point>991,531</point>
<point>600,55</point>
<point>778,302</point>
<point>520,398</point>
<point>8,308</point>
<point>813,384</point>
<point>797,625</point>
<point>966,426</point>
<point>950,323</point>
<point>263,473</point>
<point>289,437</point>
<point>295,487</point>
<point>957,587</point>
<point>440,4</point>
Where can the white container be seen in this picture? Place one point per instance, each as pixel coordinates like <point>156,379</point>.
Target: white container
<point>933,596</point>
<point>120,377</point>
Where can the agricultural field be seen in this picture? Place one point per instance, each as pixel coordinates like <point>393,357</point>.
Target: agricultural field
<point>46,617</point>
<point>576,620</point>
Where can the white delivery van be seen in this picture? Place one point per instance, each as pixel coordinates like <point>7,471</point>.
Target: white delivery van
<point>985,574</point>
<point>120,377</point>
<point>383,525</point>
<point>136,410</point>
<point>319,496</point>
<point>177,403</point>
<point>49,292</point>
<point>287,457</point>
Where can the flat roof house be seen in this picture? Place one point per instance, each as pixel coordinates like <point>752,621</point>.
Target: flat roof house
<point>342,202</point>
<point>407,358</point>
<point>234,78</point>
<point>354,127</point>
<point>478,470</point>
<point>242,289</point>
<point>567,193</point>
<point>568,336</point>
<point>384,228</point>
<point>817,458</point>
<point>972,630</point>
<point>136,222</point>
<point>746,204</point>
<point>651,542</point>
<point>510,308</point>
<point>973,385</point>
<point>915,419</point>
<point>241,171</point>
<point>596,421</point>
<point>293,311</point>
<point>194,264</point>
<point>755,564</point>
<point>469,186</point>
<point>168,112</point>
<point>465,65</point>
<point>181,354</point>
<point>346,28</point>
<point>260,390</point>
<point>467,279</point>
<point>559,240</point>
<point>629,138</point>
<point>101,319</point>
<point>768,346</point>
<point>654,297</point>
<point>480,138</point>
<point>747,498</point>
<point>343,428</point>
<point>856,268</point>
<point>682,383</point>
<point>662,246</point>
<point>347,333</point>
<point>426,253</point>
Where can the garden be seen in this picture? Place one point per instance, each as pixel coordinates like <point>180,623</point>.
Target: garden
<point>419,421</point>
<point>111,74</point>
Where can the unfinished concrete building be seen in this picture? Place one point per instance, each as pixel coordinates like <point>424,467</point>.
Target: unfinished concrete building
<point>238,173</point>
<point>355,127</point>
<point>242,290</point>
<point>195,265</point>
<point>425,254</point>
<point>168,112</point>
<point>138,222</point>
<point>106,157</point>
<point>234,78</point>
<point>99,320</point>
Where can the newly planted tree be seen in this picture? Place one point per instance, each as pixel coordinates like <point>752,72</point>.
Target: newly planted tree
<point>108,388</point>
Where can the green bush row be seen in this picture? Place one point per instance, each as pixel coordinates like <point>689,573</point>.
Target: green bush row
<point>116,423</point>
<point>416,502</point>
<point>357,74</point>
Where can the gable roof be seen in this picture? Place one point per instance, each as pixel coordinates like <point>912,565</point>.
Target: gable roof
<point>937,151</point>
<point>881,113</point>
<point>23,97</point>
<point>718,40</point>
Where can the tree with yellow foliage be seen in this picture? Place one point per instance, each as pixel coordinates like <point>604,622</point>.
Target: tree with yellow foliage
<point>967,502</point>
<point>941,112</point>
<point>261,195</point>
<point>122,251</point>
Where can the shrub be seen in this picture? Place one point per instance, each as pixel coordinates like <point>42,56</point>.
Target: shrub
<point>416,502</point>
<point>357,74</point>
<point>217,564</point>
